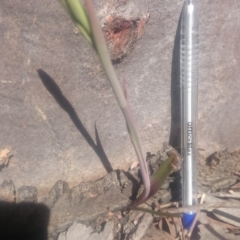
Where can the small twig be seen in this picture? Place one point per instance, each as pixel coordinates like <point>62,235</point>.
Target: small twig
<point>207,206</point>
<point>167,205</point>
<point>237,173</point>
<point>182,233</point>
<point>159,213</point>
<point>228,195</point>
<point>196,218</point>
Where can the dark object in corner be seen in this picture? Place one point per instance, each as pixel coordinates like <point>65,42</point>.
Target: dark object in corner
<point>23,221</point>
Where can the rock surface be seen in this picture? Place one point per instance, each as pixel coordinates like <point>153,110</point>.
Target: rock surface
<point>79,231</point>
<point>64,123</point>
<point>138,223</point>
<point>86,202</point>
<point>27,194</point>
<point>7,191</point>
<point>97,209</point>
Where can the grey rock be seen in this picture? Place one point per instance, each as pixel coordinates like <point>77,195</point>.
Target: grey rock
<point>154,233</point>
<point>86,202</point>
<point>75,232</point>
<point>80,231</point>
<point>106,234</point>
<point>60,188</point>
<point>137,225</point>
<point>7,191</point>
<point>62,236</point>
<point>51,131</point>
<point>27,194</point>
<point>217,171</point>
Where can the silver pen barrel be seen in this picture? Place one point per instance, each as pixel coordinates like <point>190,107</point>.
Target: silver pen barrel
<point>189,100</point>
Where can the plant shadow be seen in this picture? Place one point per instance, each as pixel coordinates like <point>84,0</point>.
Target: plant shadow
<point>23,221</point>
<point>175,132</point>
<point>63,102</point>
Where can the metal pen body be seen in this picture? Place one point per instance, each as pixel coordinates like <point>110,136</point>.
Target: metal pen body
<point>189,101</point>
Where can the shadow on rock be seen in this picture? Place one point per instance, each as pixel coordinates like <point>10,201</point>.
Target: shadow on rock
<point>63,102</point>
<point>175,132</point>
<point>23,221</point>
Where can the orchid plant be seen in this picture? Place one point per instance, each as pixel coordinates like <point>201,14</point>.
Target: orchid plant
<point>89,26</point>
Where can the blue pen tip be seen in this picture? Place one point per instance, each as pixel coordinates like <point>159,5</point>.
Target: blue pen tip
<point>187,219</point>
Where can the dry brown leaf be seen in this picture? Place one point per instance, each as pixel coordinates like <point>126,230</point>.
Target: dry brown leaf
<point>235,231</point>
<point>4,152</point>
<point>4,158</point>
<point>134,165</point>
<point>232,194</point>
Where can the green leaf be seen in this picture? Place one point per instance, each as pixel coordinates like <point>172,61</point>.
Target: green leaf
<point>160,176</point>
<point>79,16</point>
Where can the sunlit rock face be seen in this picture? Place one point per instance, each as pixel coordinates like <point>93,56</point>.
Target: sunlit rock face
<point>59,117</point>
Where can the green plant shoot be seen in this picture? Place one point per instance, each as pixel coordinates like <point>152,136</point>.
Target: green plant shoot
<point>95,36</point>
<point>89,26</point>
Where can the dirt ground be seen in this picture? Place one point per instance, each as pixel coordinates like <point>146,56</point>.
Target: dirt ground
<point>99,207</point>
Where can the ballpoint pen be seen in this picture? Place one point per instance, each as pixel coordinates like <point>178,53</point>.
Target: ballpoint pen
<point>189,106</point>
